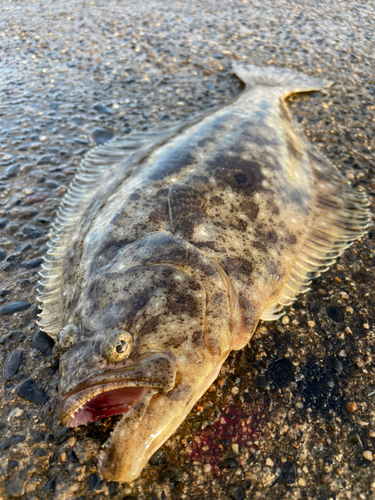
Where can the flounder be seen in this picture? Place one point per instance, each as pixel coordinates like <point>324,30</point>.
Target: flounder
<point>171,245</point>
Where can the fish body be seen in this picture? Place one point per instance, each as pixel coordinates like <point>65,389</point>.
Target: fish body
<point>168,249</point>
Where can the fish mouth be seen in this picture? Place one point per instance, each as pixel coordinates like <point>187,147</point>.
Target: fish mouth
<point>118,390</point>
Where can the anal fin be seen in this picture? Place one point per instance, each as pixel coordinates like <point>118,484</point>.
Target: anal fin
<point>340,215</point>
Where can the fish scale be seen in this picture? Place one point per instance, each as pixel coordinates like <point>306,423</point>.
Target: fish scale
<point>172,245</point>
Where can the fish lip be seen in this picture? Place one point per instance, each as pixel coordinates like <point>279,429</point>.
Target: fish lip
<point>117,378</point>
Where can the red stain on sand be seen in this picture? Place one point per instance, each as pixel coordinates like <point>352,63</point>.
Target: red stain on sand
<point>237,426</point>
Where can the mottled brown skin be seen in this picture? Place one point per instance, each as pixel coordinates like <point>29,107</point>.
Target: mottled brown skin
<point>185,254</point>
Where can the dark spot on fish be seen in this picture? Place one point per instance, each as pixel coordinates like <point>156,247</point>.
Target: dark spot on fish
<point>239,267</point>
<point>272,236</point>
<point>134,196</point>
<point>250,208</point>
<point>291,239</point>
<point>239,224</point>
<point>241,178</point>
<point>216,200</point>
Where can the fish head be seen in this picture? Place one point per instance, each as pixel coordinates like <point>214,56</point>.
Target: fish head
<point>137,346</point>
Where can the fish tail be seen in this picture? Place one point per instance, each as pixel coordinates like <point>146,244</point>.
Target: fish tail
<point>289,81</point>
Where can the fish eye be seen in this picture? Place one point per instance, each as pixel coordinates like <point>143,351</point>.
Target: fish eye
<point>67,337</point>
<point>117,346</point>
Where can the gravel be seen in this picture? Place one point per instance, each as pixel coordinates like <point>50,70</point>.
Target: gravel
<point>76,74</point>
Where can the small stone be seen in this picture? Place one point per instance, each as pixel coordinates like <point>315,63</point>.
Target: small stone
<point>235,390</point>
<point>351,407</point>
<point>72,456</point>
<point>228,463</point>
<point>101,135</point>
<point>51,184</point>
<point>354,438</point>
<point>11,171</point>
<point>336,366</point>
<point>367,455</point>
<point>311,324</point>
<point>4,445</point>
<point>31,232</point>
<point>325,479</point>
<point>32,264</point>
<point>50,485</point>
<point>158,458</point>
<point>15,413</point>
<point>46,160</point>
<point>285,320</point>
<point>290,473</point>
<point>235,448</point>
<point>62,435</point>
<point>24,212</point>
<point>3,222</point>
<point>235,492</point>
<point>36,197</point>
<point>369,391</point>
<point>335,314</point>
<point>269,462</point>
<point>301,482</point>
<point>262,383</point>
<point>371,433</point>
<point>43,342</point>
<point>342,353</point>
<point>207,468</point>
<point>42,138</point>
<point>14,307</point>
<point>12,228</point>
<point>12,364</point>
<point>102,109</point>
<point>12,464</point>
<point>361,277</point>
<point>32,392</point>
<point>16,488</point>
<point>3,254</point>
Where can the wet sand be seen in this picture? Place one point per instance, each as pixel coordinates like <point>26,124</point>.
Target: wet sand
<point>292,415</point>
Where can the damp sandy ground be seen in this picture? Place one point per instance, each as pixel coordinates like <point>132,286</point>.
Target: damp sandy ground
<point>292,416</point>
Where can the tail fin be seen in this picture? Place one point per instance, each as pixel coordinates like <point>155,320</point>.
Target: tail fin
<point>289,81</point>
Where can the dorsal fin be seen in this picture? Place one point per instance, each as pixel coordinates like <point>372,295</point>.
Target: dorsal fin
<point>104,165</point>
<point>340,215</point>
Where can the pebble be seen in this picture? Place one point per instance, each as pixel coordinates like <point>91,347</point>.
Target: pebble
<point>269,462</point>
<point>351,407</point>
<point>101,135</point>
<point>369,391</point>
<point>361,277</point>
<point>285,320</point>
<point>354,438</point>
<point>51,184</point>
<point>32,264</point>
<point>102,109</point>
<point>43,342</point>
<point>158,458</point>
<point>16,488</point>
<point>3,254</point>
<point>12,363</point>
<point>367,455</point>
<point>325,479</point>
<point>13,307</point>
<point>32,392</point>
<point>3,222</point>
<point>335,314</point>
<point>62,435</point>
<point>336,366</point>
<point>4,445</point>
<point>228,463</point>
<point>262,383</point>
<point>31,232</point>
<point>12,464</point>
<point>15,413</point>
<point>290,473</point>
<point>36,197</point>
<point>235,492</point>
<point>24,212</point>
<point>4,292</point>
<point>11,171</point>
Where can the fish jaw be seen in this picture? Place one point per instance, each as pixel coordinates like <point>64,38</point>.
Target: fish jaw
<point>115,391</point>
<point>143,430</point>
